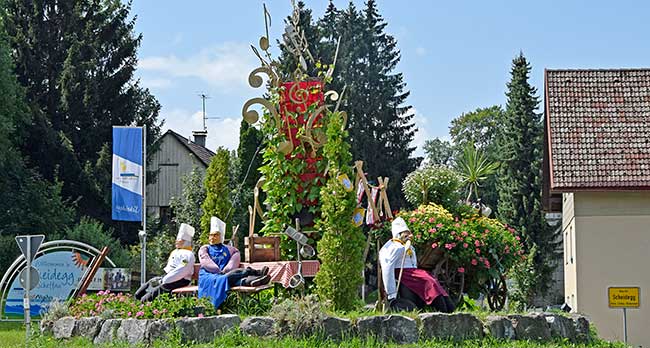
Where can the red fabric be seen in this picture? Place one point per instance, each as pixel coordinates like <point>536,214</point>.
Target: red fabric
<point>422,283</point>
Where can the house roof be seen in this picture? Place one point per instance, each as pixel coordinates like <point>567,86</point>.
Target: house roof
<point>202,153</point>
<point>597,132</point>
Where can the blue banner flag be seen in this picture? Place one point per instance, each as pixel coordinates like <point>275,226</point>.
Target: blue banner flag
<point>127,173</point>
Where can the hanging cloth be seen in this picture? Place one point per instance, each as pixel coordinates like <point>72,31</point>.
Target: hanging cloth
<point>370,214</point>
<point>360,192</point>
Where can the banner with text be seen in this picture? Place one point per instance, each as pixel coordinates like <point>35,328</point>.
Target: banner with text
<point>127,173</point>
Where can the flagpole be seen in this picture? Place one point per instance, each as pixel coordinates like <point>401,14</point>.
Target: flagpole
<point>143,263</point>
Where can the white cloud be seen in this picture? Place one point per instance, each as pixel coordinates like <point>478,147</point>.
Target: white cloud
<point>156,83</point>
<point>420,51</point>
<point>422,135</point>
<point>225,66</point>
<point>221,132</point>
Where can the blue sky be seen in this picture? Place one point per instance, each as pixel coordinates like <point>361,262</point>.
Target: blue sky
<point>456,55</point>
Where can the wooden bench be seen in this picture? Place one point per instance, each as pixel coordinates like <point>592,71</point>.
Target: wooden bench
<point>193,289</point>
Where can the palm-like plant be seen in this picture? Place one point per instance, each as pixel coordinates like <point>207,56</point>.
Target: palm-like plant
<point>474,167</point>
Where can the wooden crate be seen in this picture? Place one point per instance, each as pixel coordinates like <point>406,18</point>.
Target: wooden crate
<point>262,249</point>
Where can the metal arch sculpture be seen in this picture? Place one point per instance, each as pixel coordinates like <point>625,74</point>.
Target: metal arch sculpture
<point>46,248</point>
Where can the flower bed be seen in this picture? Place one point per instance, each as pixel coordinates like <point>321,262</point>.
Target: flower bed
<point>111,305</point>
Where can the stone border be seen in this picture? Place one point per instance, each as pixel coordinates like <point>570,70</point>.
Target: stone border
<point>385,328</point>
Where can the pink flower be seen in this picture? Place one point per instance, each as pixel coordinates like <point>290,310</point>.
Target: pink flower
<point>486,231</point>
<point>487,263</point>
<point>517,238</point>
<point>418,236</point>
<point>474,262</point>
<point>128,314</point>
<point>478,251</point>
<point>457,224</point>
<point>139,314</point>
<point>461,270</point>
<point>450,246</point>
<point>464,233</point>
<point>432,230</point>
<point>432,220</point>
<point>155,312</point>
<point>465,245</point>
<point>200,315</point>
<point>439,225</point>
<point>434,245</point>
<point>453,233</point>
<point>477,243</point>
<point>413,219</point>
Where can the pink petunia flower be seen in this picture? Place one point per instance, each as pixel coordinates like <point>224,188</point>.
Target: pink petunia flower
<point>434,245</point>
<point>432,230</point>
<point>439,225</point>
<point>465,245</point>
<point>477,243</point>
<point>413,219</point>
<point>487,263</point>
<point>139,314</point>
<point>478,251</point>
<point>464,233</point>
<point>461,270</point>
<point>432,220</point>
<point>474,262</point>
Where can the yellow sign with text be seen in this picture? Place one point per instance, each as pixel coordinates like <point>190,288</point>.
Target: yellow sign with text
<point>620,297</point>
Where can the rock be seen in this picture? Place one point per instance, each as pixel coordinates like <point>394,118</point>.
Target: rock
<point>158,329</point>
<point>396,328</point>
<point>581,326</point>
<point>561,326</point>
<point>530,327</point>
<point>499,327</point>
<point>132,331</point>
<point>336,328</point>
<point>87,327</point>
<point>63,328</point>
<point>204,330</point>
<point>108,332</point>
<point>258,326</point>
<point>451,326</point>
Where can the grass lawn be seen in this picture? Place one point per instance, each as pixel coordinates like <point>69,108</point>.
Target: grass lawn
<point>12,335</point>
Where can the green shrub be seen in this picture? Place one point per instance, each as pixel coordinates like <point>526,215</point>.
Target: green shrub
<point>93,232</point>
<point>299,317</point>
<point>341,247</point>
<point>433,184</point>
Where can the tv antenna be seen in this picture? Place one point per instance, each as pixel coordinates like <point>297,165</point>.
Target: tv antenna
<point>203,97</point>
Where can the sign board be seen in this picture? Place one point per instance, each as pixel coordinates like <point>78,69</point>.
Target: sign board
<point>60,273</point>
<point>624,297</point>
<point>34,243</point>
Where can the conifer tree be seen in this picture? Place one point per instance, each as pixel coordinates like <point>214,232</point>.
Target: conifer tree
<point>519,180</point>
<point>76,61</point>
<point>217,187</point>
<point>249,160</point>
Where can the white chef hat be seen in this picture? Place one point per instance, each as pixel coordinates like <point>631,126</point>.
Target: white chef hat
<point>216,225</point>
<point>185,233</point>
<point>399,226</point>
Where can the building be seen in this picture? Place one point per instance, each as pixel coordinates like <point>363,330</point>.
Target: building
<point>176,157</point>
<point>597,173</point>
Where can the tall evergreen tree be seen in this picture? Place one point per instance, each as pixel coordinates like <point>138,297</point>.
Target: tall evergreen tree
<point>217,187</point>
<point>76,61</point>
<point>249,160</point>
<point>519,185</point>
<point>381,128</point>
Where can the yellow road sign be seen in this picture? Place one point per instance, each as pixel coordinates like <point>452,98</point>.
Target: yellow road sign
<point>623,297</point>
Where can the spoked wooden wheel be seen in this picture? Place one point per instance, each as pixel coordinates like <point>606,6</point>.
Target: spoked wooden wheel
<point>496,292</point>
<point>450,279</point>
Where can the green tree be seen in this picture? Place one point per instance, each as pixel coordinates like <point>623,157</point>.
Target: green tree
<point>187,208</point>
<point>341,246</point>
<point>76,61</point>
<point>217,187</point>
<point>519,181</point>
<point>439,152</point>
<point>249,159</point>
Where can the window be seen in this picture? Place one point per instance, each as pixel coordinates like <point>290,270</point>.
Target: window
<point>166,215</point>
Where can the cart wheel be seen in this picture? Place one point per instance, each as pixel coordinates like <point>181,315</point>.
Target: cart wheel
<point>452,280</point>
<point>497,292</point>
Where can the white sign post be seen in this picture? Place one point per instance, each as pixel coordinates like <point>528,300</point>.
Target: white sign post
<point>29,246</point>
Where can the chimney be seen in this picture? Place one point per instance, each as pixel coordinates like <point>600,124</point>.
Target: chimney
<point>199,137</point>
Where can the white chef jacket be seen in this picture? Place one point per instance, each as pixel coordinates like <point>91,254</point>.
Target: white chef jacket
<point>390,258</point>
<point>180,265</point>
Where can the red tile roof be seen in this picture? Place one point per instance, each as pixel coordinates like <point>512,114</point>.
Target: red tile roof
<point>597,129</point>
